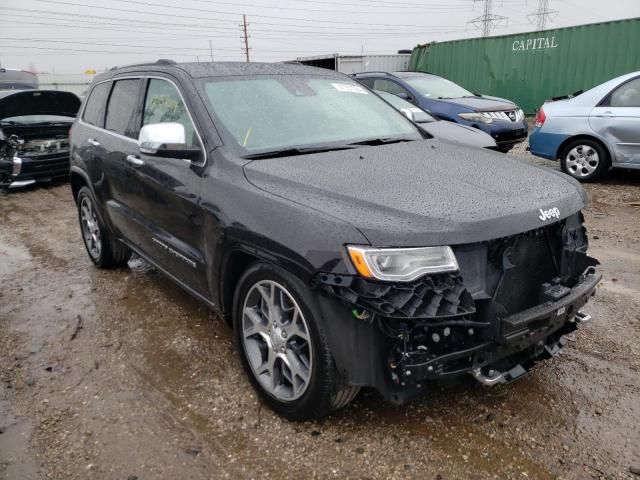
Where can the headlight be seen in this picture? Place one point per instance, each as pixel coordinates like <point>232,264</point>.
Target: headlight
<point>475,117</point>
<point>401,264</point>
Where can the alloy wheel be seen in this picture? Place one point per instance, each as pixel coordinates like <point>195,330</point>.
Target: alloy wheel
<point>90,228</point>
<point>276,340</point>
<point>582,160</point>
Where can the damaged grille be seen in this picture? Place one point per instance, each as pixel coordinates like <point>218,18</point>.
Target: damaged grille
<point>519,266</point>
<point>435,296</point>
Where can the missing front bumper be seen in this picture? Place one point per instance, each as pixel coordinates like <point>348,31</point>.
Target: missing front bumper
<point>534,333</point>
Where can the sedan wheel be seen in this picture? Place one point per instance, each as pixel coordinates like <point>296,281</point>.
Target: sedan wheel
<point>582,161</point>
<point>275,338</point>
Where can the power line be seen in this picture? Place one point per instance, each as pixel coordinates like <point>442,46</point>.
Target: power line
<point>118,52</point>
<point>111,44</point>
<point>218,12</point>
<point>542,14</point>
<point>487,20</point>
<point>393,8</point>
<point>281,28</point>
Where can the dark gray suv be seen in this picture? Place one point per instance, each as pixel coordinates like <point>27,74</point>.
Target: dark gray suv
<point>345,246</point>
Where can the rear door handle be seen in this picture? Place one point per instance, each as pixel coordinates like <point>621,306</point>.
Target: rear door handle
<point>93,142</point>
<point>606,115</point>
<point>135,161</point>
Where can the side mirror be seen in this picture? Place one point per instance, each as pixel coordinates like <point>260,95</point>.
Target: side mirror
<point>166,140</point>
<point>403,95</point>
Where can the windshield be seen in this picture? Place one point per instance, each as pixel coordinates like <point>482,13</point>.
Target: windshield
<point>280,112</point>
<point>31,119</point>
<point>437,87</point>
<point>416,114</point>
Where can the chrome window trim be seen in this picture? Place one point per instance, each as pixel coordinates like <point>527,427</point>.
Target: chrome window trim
<point>124,137</point>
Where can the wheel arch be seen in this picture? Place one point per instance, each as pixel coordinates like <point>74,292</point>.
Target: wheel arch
<point>235,261</point>
<point>235,264</point>
<point>78,179</point>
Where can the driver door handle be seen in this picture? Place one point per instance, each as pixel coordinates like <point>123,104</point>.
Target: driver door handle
<point>135,161</point>
<point>92,142</point>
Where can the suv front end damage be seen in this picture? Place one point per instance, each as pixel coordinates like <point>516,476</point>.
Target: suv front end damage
<point>26,161</point>
<point>34,136</point>
<point>509,305</point>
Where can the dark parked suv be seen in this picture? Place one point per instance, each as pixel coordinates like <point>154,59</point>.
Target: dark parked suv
<point>346,247</point>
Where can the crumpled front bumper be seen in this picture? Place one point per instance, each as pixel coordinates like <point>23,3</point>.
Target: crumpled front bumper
<point>537,332</point>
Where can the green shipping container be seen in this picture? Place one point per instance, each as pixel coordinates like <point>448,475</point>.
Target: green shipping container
<point>530,68</point>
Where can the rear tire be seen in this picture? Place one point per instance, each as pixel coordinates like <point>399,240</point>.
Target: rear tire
<point>104,250</point>
<point>584,159</point>
<point>282,346</point>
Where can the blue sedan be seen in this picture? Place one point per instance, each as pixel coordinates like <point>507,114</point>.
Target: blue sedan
<point>593,131</point>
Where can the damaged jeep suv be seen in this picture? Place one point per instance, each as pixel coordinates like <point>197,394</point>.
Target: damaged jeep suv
<point>34,131</point>
<point>345,246</point>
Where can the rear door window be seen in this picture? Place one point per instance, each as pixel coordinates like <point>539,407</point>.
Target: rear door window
<point>96,104</point>
<point>122,107</point>
<point>163,104</point>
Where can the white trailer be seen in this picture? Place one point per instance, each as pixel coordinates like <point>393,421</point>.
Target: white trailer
<point>349,64</point>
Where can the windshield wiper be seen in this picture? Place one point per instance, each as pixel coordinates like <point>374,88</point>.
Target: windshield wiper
<point>382,141</point>
<point>289,152</point>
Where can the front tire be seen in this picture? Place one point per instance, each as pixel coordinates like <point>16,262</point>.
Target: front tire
<point>585,160</point>
<point>282,346</point>
<point>104,250</point>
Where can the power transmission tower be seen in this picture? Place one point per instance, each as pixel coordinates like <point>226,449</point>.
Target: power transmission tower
<point>487,20</point>
<point>542,14</point>
<point>245,37</point>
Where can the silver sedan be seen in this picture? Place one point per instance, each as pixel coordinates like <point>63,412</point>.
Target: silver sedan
<point>593,131</point>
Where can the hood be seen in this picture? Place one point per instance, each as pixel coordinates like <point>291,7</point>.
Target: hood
<point>422,193</point>
<point>15,103</point>
<point>482,104</point>
<point>454,132</point>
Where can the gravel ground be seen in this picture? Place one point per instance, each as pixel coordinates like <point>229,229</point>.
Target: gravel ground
<point>121,375</point>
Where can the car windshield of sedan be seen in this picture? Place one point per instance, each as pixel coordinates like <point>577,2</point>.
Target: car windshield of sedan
<point>279,112</point>
<point>437,87</point>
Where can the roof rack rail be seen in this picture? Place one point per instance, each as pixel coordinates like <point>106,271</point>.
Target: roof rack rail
<point>160,61</point>
<point>367,73</point>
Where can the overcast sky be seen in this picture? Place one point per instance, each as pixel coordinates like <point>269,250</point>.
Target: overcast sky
<point>70,36</point>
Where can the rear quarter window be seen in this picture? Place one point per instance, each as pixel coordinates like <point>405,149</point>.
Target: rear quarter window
<point>122,106</point>
<point>96,104</point>
<point>627,95</point>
